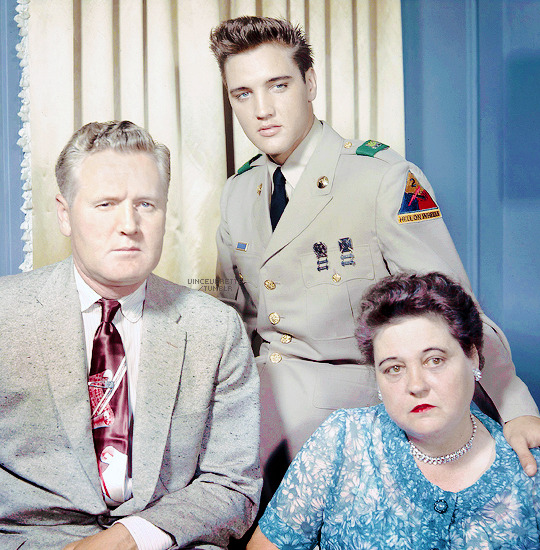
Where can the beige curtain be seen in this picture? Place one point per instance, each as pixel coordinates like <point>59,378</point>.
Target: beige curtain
<point>148,61</point>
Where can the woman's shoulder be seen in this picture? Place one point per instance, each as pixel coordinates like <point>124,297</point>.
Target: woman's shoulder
<point>356,424</point>
<point>507,458</point>
<point>359,417</point>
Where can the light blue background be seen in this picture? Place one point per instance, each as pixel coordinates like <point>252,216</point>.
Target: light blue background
<point>472,111</point>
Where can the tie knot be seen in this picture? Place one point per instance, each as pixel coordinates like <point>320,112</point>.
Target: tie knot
<point>279,178</point>
<point>108,309</point>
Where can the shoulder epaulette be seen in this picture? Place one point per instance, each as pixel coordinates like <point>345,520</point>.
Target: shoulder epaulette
<point>370,148</point>
<point>247,166</point>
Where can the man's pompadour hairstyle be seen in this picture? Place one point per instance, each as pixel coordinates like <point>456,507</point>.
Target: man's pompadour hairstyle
<point>247,32</point>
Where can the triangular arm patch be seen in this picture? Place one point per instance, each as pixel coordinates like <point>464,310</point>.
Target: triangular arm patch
<point>417,204</point>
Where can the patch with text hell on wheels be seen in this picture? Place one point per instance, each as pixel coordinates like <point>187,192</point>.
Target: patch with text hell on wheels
<point>417,204</point>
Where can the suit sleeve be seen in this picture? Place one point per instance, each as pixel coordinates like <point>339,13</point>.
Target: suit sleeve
<point>222,499</point>
<point>228,278</point>
<point>424,246</point>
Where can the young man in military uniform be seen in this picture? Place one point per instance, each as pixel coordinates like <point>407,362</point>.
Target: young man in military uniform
<point>349,214</point>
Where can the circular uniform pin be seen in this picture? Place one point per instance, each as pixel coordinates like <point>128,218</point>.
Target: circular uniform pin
<point>336,277</point>
<point>274,318</point>
<point>347,145</point>
<point>286,339</point>
<point>275,357</point>
<point>322,182</point>
<point>270,285</point>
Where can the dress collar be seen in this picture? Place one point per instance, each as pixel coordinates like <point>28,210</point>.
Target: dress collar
<point>412,482</point>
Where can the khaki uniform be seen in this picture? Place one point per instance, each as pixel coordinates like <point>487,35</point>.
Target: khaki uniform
<point>305,312</point>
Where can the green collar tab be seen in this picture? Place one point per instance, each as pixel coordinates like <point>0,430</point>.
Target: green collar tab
<point>247,166</point>
<point>370,148</point>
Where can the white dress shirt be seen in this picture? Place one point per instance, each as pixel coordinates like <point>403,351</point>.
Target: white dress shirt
<point>128,321</point>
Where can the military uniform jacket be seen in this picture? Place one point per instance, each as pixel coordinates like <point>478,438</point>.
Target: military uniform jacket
<point>304,306</point>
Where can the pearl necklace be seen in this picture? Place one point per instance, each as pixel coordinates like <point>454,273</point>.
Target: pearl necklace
<point>417,453</point>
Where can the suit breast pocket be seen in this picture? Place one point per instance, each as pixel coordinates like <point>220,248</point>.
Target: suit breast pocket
<point>333,290</point>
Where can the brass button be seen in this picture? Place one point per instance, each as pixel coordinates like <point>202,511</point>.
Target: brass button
<point>275,357</point>
<point>286,339</point>
<point>336,277</point>
<point>270,285</point>
<point>322,182</point>
<point>259,189</point>
<point>240,277</point>
<point>274,318</point>
<point>347,145</point>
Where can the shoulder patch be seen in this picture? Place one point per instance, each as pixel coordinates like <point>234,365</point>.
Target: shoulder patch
<point>370,148</point>
<point>247,166</point>
<point>417,204</point>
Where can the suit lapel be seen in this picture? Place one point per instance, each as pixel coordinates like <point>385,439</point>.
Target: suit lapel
<point>162,354</point>
<point>63,349</point>
<point>308,198</point>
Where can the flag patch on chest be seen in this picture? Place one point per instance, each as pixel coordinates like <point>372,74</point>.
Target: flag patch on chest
<point>417,204</point>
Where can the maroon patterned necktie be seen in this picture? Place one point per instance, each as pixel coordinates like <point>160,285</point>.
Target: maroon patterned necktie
<point>109,401</point>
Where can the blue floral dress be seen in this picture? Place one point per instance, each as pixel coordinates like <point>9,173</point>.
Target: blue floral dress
<point>354,485</point>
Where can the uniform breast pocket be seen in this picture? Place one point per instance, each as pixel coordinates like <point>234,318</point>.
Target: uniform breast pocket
<point>333,289</point>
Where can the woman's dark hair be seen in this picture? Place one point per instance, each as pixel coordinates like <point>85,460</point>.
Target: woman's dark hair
<point>406,295</point>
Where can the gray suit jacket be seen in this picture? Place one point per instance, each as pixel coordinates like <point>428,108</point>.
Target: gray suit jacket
<point>195,440</point>
<point>309,361</point>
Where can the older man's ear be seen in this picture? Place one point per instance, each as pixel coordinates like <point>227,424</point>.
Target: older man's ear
<point>62,213</point>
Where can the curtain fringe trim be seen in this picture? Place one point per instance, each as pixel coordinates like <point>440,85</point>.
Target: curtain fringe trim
<point>24,140</point>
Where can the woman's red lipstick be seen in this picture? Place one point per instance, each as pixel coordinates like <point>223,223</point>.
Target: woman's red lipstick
<point>421,408</point>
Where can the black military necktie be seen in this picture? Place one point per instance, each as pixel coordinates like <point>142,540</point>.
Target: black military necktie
<point>279,198</point>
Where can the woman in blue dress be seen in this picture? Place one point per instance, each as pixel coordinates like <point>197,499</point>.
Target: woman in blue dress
<point>425,469</point>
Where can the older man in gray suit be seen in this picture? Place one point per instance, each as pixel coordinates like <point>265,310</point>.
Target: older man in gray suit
<point>128,405</point>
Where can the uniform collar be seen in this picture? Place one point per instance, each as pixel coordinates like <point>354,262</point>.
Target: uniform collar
<point>295,165</point>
